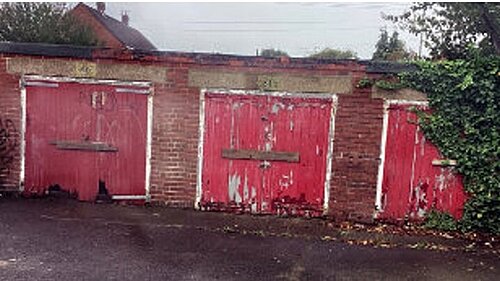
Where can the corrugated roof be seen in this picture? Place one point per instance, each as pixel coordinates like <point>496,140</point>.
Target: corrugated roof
<point>129,36</point>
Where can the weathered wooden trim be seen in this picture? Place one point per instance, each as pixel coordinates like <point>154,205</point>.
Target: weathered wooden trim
<point>149,144</point>
<point>247,154</point>
<point>381,165</point>
<point>267,94</point>
<point>133,91</point>
<point>444,162</point>
<point>201,132</point>
<point>22,162</point>
<point>84,145</point>
<point>407,102</point>
<point>329,156</point>
<point>34,80</point>
<point>338,84</point>
<point>41,84</point>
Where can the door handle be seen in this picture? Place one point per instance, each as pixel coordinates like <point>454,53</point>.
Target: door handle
<point>93,101</point>
<point>98,99</point>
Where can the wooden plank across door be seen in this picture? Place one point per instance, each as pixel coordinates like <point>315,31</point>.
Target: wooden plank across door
<point>84,145</point>
<point>248,154</point>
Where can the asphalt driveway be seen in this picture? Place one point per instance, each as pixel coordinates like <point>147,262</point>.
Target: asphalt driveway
<point>68,240</point>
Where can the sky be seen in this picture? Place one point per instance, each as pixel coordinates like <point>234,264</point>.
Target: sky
<point>300,29</point>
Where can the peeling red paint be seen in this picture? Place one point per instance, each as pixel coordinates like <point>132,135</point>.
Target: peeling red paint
<point>265,123</point>
<point>412,185</point>
<point>88,115</point>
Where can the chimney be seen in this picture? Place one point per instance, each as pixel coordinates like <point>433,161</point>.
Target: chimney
<point>101,7</point>
<point>125,18</point>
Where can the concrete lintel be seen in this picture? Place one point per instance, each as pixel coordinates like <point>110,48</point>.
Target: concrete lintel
<point>86,69</point>
<point>401,94</point>
<point>338,84</point>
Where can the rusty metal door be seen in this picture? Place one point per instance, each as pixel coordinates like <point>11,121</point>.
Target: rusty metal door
<point>414,181</point>
<point>85,137</point>
<point>265,154</point>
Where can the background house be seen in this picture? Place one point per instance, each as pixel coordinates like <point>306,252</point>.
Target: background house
<point>110,32</point>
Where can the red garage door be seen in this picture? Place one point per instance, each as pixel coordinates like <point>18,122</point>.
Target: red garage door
<point>413,181</point>
<point>265,154</point>
<point>85,138</point>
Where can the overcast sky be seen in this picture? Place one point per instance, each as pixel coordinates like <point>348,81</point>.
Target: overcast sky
<point>240,28</point>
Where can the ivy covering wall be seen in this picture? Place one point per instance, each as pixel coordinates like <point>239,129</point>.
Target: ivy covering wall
<point>464,96</point>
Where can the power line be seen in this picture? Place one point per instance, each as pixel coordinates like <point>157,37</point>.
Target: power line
<point>255,22</point>
<point>284,30</point>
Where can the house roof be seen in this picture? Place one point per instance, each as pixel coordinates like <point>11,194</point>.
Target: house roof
<point>127,35</point>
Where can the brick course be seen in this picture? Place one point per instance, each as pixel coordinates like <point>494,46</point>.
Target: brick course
<point>356,153</point>
<point>175,141</point>
<point>10,129</point>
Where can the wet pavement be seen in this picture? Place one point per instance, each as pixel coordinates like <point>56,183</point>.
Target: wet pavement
<point>54,239</point>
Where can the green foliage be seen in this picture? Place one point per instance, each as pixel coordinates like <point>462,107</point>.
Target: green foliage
<point>449,29</point>
<point>389,85</point>
<point>364,82</point>
<point>328,53</point>
<point>273,53</point>
<point>42,23</point>
<point>390,48</point>
<point>440,221</point>
<point>464,96</point>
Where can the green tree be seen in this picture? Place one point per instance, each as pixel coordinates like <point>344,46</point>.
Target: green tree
<point>42,23</point>
<point>450,29</point>
<point>390,48</point>
<point>328,53</point>
<point>273,53</point>
<point>382,46</point>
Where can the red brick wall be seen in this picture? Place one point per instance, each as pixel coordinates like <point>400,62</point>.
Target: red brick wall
<point>175,141</point>
<point>356,152</point>
<point>10,129</point>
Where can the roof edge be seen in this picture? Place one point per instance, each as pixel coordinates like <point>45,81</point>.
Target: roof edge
<point>87,52</point>
<point>389,67</point>
<point>43,49</point>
